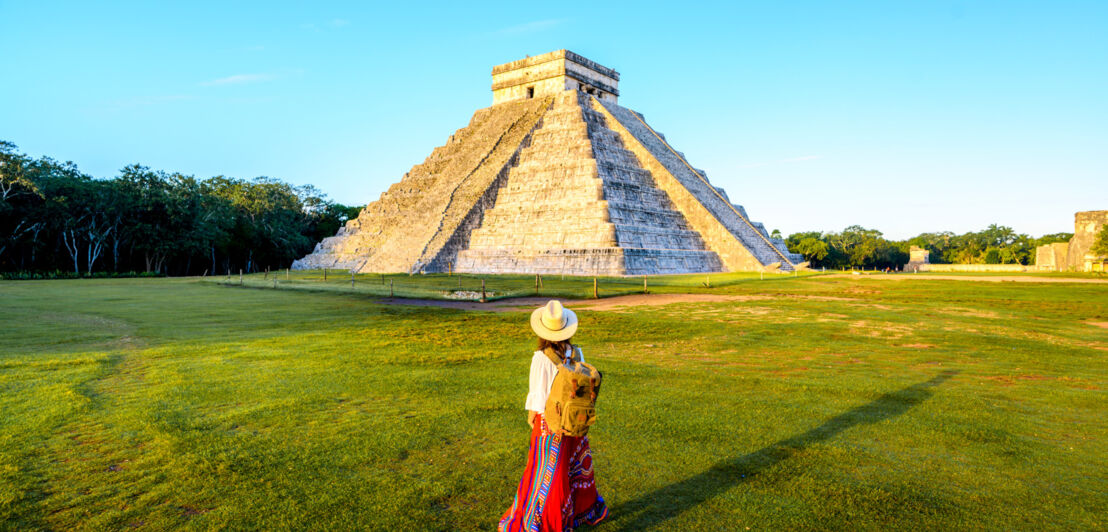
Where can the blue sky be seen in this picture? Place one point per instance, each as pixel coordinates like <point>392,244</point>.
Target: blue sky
<point>901,116</point>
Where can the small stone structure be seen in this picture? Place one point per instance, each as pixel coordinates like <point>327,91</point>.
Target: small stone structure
<point>917,258</point>
<point>1075,255</point>
<point>555,177</point>
<point>552,74</point>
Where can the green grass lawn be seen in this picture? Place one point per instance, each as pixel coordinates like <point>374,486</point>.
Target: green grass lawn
<point>808,403</point>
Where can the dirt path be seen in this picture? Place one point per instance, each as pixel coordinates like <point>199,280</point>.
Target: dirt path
<point>527,303</point>
<point>986,278</point>
<point>522,304</point>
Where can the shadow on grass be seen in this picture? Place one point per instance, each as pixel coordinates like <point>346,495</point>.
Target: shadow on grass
<point>662,504</point>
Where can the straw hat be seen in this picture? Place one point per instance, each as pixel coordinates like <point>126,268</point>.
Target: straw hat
<point>554,322</point>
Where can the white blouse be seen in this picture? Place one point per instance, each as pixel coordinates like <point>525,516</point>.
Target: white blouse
<point>542,378</point>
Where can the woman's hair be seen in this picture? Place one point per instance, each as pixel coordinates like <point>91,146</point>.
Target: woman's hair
<point>559,347</point>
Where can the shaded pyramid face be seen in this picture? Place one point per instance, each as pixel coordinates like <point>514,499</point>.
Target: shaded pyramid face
<point>568,184</point>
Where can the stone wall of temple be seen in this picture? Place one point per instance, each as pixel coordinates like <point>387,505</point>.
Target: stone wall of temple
<point>1074,255</point>
<point>579,203</point>
<point>1086,225</point>
<point>1051,257</point>
<point>561,182</point>
<point>725,228</point>
<point>551,74</point>
<point>420,214</point>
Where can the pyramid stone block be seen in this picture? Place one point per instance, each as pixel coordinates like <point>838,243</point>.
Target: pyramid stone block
<point>555,177</point>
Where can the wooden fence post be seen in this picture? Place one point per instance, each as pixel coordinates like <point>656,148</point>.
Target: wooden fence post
<point>240,276</point>
<point>536,284</point>
<point>644,290</point>
<point>390,287</point>
<point>595,291</point>
<point>482,290</point>
<point>325,275</point>
<point>352,279</point>
<point>709,283</point>
<point>286,274</point>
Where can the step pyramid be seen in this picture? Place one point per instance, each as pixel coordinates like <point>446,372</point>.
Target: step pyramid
<point>555,177</point>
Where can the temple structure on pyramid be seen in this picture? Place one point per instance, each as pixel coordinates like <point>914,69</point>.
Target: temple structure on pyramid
<point>556,177</point>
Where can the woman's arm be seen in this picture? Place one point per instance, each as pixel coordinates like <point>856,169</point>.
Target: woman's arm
<point>531,418</point>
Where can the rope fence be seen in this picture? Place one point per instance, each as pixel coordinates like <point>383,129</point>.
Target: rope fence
<point>488,287</point>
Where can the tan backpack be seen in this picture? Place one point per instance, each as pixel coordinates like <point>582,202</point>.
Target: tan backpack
<point>571,406</point>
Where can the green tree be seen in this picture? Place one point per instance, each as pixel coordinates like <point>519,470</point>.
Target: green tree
<point>1100,245</point>
<point>18,196</point>
<point>1051,239</point>
<point>810,245</point>
<point>940,245</point>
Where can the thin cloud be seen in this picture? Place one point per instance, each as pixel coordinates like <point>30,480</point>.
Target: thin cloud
<point>238,79</point>
<point>339,22</point>
<point>529,27</point>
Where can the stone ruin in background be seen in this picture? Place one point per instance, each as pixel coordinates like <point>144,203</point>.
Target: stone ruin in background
<point>555,177</point>
<point>1074,255</point>
<point>919,259</point>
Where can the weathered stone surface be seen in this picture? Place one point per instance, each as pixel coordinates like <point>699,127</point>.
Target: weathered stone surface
<point>740,244</point>
<point>551,74</point>
<point>424,220</point>
<point>565,181</point>
<point>578,202</point>
<point>918,259</point>
<point>1086,225</point>
<point>1075,255</point>
<point>1051,257</point>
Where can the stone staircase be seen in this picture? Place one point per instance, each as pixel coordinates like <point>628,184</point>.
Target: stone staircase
<point>423,220</point>
<point>753,236</point>
<point>578,203</point>
<point>560,184</point>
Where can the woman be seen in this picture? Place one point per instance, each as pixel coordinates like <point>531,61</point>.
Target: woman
<point>557,491</point>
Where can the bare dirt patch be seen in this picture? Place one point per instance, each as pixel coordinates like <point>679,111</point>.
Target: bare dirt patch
<point>617,303</point>
<point>1101,324</point>
<point>918,346</point>
<point>972,313</point>
<point>875,329</point>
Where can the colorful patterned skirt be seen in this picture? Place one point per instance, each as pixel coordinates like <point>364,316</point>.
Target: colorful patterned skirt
<point>557,492</point>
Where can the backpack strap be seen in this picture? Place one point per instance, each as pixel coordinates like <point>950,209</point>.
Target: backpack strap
<point>573,354</point>
<point>553,356</point>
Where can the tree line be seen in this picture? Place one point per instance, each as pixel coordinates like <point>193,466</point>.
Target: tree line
<point>858,247</point>
<point>53,217</point>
